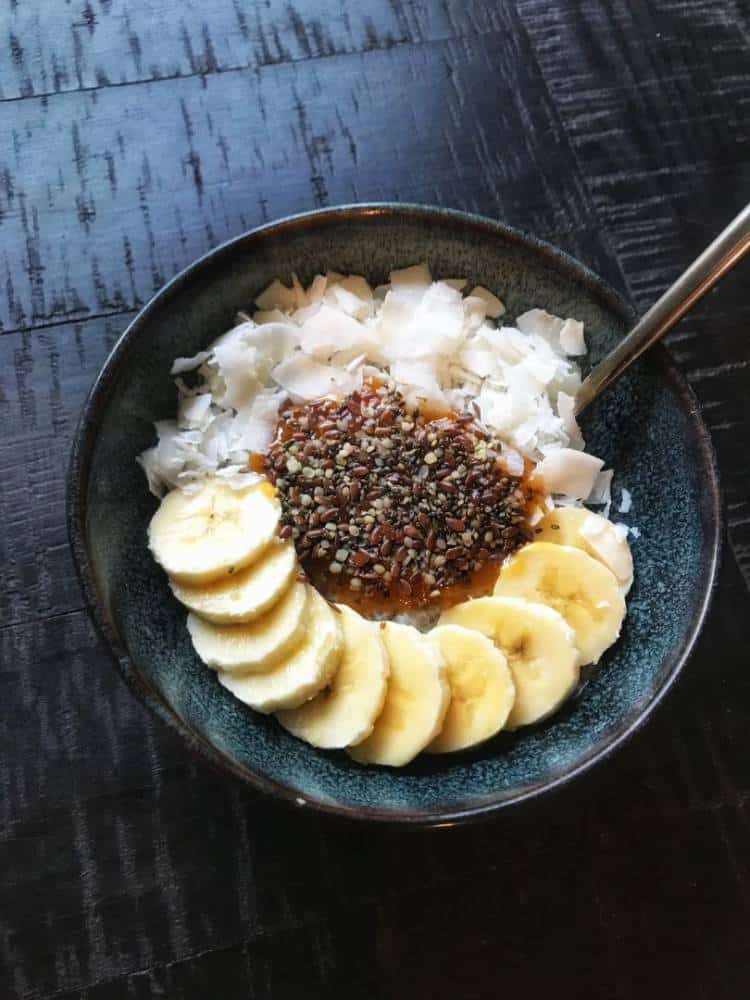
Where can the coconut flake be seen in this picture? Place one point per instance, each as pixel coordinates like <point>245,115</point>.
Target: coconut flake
<point>536,515</point>
<point>280,296</point>
<point>475,363</point>
<point>410,283</point>
<point>357,285</point>
<point>475,313</point>
<point>243,359</point>
<point>392,327</point>
<point>332,331</point>
<point>601,490</point>
<point>177,454</point>
<point>418,381</point>
<point>269,316</point>
<point>493,306</point>
<point>193,411</point>
<point>301,316</point>
<point>626,502</point>
<point>303,378</point>
<point>215,440</point>
<point>437,344</point>
<point>605,540</point>
<point>571,337</point>
<point>182,365</point>
<point>542,369</point>
<point>317,289</point>
<point>148,460</point>
<point>569,472</point>
<point>512,460</point>
<point>349,303</point>
<point>254,426</point>
<point>566,409</point>
<point>416,275</point>
<point>350,293</point>
<point>541,323</point>
<point>438,323</point>
<point>238,477</point>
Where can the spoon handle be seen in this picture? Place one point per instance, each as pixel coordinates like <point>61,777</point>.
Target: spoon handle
<point>718,258</point>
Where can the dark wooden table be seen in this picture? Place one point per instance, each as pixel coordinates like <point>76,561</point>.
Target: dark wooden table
<point>135,135</point>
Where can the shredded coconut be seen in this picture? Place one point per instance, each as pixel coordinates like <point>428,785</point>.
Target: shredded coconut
<point>437,343</point>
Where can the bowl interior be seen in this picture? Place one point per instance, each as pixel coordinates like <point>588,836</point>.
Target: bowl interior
<point>645,427</point>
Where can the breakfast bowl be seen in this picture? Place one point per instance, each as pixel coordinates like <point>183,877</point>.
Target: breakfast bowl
<point>646,427</point>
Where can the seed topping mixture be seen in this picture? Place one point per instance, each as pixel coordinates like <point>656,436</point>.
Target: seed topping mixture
<point>393,505</point>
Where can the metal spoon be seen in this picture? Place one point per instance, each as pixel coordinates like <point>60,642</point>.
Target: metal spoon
<point>718,258</point>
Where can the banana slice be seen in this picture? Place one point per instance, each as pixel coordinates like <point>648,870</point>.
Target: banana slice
<point>539,645</point>
<point>584,591</point>
<point>302,674</point>
<point>596,535</point>
<point>244,596</point>
<point>481,686</point>
<point>200,537</point>
<point>415,703</point>
<point>345,712</point>
<point>258,645</point>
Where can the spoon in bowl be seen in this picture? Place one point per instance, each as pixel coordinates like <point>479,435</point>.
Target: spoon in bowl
<point>719,257</point>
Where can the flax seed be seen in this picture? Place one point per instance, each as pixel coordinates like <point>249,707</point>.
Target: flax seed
<point>400,489</point>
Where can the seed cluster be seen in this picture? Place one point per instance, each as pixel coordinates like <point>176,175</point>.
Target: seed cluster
<point>390,502</point>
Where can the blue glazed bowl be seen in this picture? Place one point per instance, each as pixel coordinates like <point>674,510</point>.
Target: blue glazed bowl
<point>647,427</point>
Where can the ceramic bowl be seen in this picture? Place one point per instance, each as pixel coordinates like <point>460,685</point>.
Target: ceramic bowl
<point>647,428</point>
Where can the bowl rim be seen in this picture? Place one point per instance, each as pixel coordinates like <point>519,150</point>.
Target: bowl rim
<point>78,479</point>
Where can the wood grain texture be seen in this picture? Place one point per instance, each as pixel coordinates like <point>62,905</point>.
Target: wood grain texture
<point>657,112</point>
<point>134,136</point>
<point>45,377</point>
<point>240,148</point>
<point>58,47</point>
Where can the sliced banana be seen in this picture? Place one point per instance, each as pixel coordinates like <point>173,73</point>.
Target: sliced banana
<point>596,535</point>
<point>244,596</point>
<point>345,712</point>
<point>200,537</point>
<point>258,645</point>
<point>539,645</point>
<point>415,703</point>
<point>584,592</point>
<point>302,674</point>
<point>481,686</point>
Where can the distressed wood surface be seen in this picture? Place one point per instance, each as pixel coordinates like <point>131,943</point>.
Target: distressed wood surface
<point>135,135</point>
